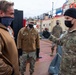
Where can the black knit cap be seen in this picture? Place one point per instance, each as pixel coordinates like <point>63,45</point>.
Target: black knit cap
<point>70,12</point>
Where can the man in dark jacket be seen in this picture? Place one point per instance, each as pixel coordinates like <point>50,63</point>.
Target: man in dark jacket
<point>46,33</point>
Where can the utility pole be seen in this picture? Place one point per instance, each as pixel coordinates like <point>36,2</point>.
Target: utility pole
<point>40,25</point>
<point>52,8</point>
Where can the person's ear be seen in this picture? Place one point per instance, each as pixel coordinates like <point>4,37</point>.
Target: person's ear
<point>1,13</point>
<point>74,21</point>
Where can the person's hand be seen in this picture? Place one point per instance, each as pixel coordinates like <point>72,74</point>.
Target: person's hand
<point>38,50</point>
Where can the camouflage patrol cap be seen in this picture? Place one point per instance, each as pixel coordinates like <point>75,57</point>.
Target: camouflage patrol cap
<point>32,23</point>
<point>70,12</point>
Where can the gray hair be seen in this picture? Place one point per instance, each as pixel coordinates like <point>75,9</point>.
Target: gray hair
<point>4,5</point>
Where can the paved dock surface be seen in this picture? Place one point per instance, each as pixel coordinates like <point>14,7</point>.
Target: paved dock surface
<point>42,64</point>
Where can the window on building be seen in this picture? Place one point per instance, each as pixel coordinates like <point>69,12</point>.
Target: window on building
<point>74,0</point>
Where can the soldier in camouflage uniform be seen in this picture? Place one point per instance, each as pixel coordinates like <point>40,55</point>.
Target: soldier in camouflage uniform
<point>57,31</point>
<point>68,41</point>
<point>28,42</point>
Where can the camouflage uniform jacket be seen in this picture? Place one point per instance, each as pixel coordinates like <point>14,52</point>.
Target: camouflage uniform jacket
<point>57,31</point>
<point>68,41</point>
<point>28,40</point>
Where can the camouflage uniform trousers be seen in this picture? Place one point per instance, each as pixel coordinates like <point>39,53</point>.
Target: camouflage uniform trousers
<point>31,56</point>
<point>68,64</point>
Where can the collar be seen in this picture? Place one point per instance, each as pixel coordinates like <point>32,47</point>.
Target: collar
<point>3,27</point>
<point>29,29</point>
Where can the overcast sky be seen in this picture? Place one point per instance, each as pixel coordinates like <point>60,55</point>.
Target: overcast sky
<point>33,8</point>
